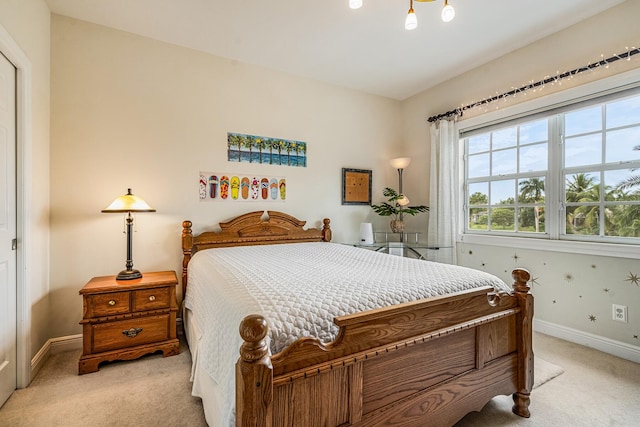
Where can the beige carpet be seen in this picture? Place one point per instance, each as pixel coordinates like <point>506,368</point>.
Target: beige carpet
<point>544,371</point>
<point>595,390</point>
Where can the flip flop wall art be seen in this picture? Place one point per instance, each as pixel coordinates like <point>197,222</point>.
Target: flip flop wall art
<point>266,150</point>
<point>229,187</point>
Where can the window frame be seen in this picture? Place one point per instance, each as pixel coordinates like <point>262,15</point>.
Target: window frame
<point>526,112</point>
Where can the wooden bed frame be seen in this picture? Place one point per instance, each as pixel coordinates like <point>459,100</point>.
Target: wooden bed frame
<point>427,362</point>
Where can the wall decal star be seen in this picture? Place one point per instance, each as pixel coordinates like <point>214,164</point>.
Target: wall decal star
<point>592,318</point>
<point>633,278</point>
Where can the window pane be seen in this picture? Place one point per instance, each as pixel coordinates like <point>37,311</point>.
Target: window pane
<point>619,185</point>
<point>503,162</point>
<point>531,219</point>
<point>533,158</point>
<point>583,121</point>
<point>503,192</point>
<point>478,218</point>
<point>478,193</point>
<point>503,219</point>
<point>623,220</point>
<point>623,145</point>
<point>534,132</point>
<point>478,165</point>
<point>531,190</point>
<point>582,187</point>
<point>504,138</point>
<point>583,220</point>
<point>479,143</point>
<point>624,112</point>
<point>584,150</point>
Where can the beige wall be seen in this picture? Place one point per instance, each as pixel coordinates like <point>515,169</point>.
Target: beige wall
<point>570,288</point>
<point>28,23</point>
<point>132,112</point>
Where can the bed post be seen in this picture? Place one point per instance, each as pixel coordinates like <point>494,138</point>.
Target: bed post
<point>326,230</point>
<point>254,375</point>
<point>187,247</point>
<point>524,336</point>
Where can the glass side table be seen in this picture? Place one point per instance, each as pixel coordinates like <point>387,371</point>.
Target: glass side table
<point>416,249</point>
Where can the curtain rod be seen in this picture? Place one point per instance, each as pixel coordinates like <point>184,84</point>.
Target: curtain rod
<point>459,111</point>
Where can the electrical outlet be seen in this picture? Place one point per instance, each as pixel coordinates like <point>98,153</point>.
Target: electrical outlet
<point>619,313</point>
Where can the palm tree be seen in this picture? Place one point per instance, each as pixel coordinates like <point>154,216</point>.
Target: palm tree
<point>291,146</point>
<point>261,144</point>
<point>233,141</point>
<point>632,181</point>
<point>581,183</point>
<point>533,190</point>
<point>302,149</point>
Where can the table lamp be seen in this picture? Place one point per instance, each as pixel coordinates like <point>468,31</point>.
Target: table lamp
<point>128,204</point>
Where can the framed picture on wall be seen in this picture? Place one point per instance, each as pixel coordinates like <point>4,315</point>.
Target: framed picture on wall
<point>356,186</point>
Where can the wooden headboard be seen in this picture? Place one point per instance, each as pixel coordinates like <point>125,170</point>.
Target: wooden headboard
<point>250,229</point>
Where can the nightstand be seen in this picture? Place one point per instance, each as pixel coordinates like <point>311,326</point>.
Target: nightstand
<point>126,319</point>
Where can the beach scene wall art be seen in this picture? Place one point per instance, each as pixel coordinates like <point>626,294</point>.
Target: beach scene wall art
<point>233,187</point>
<point>266,150</point>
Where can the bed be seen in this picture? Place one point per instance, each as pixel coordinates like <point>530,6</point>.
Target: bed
<point>422,361</point>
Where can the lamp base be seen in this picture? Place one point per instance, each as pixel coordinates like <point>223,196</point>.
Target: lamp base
<point>129,275</point>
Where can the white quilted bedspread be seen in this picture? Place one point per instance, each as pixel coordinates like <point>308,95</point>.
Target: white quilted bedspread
<point>300,288</point>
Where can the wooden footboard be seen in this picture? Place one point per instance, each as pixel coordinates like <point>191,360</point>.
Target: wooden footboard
<point>430,361</point>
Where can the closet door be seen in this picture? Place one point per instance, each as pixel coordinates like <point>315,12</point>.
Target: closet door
<point>7,229</point>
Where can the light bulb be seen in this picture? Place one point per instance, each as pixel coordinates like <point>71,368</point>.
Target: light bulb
<point>412,21</point>
<point>448,12</point>
<point>355,4</point>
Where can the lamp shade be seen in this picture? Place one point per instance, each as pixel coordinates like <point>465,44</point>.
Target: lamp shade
<point>403,200</point>
<point>448,12</point>
<point>411,21</point>
<point>128,203</point>
<point>400,162</point>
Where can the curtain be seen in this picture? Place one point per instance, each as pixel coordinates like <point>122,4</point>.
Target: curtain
<point>443,191</point>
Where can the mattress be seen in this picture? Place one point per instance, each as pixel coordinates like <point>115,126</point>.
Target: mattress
<point>299,288</point>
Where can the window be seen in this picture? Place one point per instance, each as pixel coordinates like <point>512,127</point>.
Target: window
<point>573,174</point>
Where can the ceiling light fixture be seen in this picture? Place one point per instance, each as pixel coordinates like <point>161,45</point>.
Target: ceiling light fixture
<point>448,12</point>
<point>411,21</point>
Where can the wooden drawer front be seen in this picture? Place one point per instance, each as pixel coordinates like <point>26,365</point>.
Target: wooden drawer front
<point>144,330</point>
<point>99,305</point>
<point>151,299</point>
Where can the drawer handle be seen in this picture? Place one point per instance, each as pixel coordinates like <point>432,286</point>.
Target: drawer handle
<point>112,302</point>
<point>152,297</point>
<point>132,332</point>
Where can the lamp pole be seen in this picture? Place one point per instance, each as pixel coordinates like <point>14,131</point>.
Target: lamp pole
<point>129,273</point>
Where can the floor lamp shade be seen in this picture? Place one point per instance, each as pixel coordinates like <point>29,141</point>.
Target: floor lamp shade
<point>366,233</point>
<point>128,204</point>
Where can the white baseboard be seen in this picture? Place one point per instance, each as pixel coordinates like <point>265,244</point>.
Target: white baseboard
<point>53,346</point>
<point>606,345</point>
<point>68,343</point>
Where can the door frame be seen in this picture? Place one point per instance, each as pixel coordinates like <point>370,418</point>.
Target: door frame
<point>24,221</point>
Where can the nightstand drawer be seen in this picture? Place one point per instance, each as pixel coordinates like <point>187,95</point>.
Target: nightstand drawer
<point>129,333</point>
<point>151,299</point>
<point>107,304</point>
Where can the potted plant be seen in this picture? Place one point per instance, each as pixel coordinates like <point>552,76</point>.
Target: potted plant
<point>397,205</point>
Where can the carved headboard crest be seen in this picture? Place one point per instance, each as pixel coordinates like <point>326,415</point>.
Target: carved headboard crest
<point>250,229</point>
